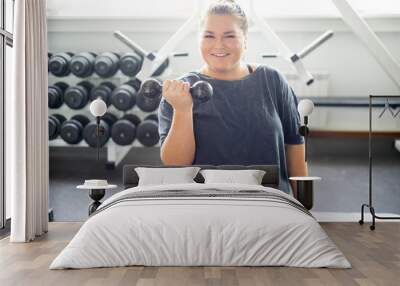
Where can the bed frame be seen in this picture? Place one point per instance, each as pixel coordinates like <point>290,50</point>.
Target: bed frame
<point>271,178</point>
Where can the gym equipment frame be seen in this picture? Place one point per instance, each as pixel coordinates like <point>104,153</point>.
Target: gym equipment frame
<point>362,30</point>
<point>284,51</point>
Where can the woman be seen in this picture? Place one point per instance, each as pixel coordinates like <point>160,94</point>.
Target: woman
<point>252,117</point>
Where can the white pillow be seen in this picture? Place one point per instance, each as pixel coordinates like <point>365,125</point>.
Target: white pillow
<point>163,176</point>
<point>248,177</point>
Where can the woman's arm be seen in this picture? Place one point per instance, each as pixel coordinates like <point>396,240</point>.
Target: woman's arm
<point>179,145</point>
<point>295,160</point>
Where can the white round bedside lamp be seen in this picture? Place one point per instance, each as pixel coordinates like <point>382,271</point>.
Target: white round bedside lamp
<point>305,107</point>
<point>98,108</point>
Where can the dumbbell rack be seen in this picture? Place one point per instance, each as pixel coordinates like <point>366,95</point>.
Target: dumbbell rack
<point>115,153</point>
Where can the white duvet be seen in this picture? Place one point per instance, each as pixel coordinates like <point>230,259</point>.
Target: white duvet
<point>200,231</point>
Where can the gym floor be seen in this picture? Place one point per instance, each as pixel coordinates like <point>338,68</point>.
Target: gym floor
<point>341,162</point>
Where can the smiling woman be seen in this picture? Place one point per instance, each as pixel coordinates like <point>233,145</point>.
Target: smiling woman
<point>222,46</point>
<point>223,40</point>
<point>252,117</point>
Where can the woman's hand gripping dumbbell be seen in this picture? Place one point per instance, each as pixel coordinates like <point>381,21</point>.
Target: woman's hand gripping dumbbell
<point>177,92</point>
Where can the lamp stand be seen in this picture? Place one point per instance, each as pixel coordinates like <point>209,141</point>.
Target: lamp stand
<point>99,132</point>
<point>304,131</point>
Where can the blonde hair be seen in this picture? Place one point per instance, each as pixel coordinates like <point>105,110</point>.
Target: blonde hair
<point>227,7</point>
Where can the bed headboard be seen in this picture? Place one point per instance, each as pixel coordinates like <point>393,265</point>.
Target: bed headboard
<point>271,178</point>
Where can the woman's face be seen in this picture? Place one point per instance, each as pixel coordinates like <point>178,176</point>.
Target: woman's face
<point>222,43</point>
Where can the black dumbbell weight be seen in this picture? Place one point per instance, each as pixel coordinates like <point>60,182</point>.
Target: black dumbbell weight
<point>55,122</point>
<point>130,64</point>
<point>90,132</point>
<point>106,64</point>
<point>124,96</point>
<point>201,90</point>
<point>77,96</point>
<point>104,91</point>
<point>72,130</point>
<point>82,64</point>
<point>123,131</point>
<point>147,131</point>
<point>56,94</point>
<point>147,103</point>
<point>59,63</point>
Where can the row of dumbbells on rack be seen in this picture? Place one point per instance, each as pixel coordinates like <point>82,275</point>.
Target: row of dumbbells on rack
<point>123,97</point>
<point>122,131</point>
<point>105,65</point>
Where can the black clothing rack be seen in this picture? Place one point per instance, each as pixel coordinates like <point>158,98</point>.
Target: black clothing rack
<point>369,205</point>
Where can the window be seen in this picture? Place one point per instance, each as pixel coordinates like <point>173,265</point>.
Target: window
<point>9,19</point>
<point>2,175</point>
<point>6,41</point>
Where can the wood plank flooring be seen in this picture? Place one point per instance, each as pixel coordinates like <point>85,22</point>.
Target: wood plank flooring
<point>374,255</point>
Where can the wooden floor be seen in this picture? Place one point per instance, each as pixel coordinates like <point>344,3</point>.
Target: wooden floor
<point>374,255</point>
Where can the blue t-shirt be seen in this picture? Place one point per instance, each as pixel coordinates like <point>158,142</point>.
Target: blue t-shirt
<point>246,122</point>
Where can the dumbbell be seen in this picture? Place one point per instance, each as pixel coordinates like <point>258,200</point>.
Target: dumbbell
<point>147,104</point>
<point>77,96</point>
<point>147,131</point>
<point>103,90</point>
<point>59,63</point>
<point>106,64</point>
<point>124,96</point>
<point>56,94</point>
<point>82,64</point>
<point>123,131</point>
<point>72,129</point>
<point>55,122</point>
<point>130,64</point>
<point>90,131</point>
<point>201,90</point>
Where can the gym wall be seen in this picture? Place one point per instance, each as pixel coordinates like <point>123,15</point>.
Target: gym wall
<point>343,61</point>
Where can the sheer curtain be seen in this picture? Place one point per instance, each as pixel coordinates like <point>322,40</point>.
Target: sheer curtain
<point>26,124</point>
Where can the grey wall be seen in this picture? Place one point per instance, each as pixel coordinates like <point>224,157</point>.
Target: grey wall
<point>352,71</point>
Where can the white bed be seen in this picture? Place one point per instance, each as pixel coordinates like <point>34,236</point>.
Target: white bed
<point>185,230</point>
